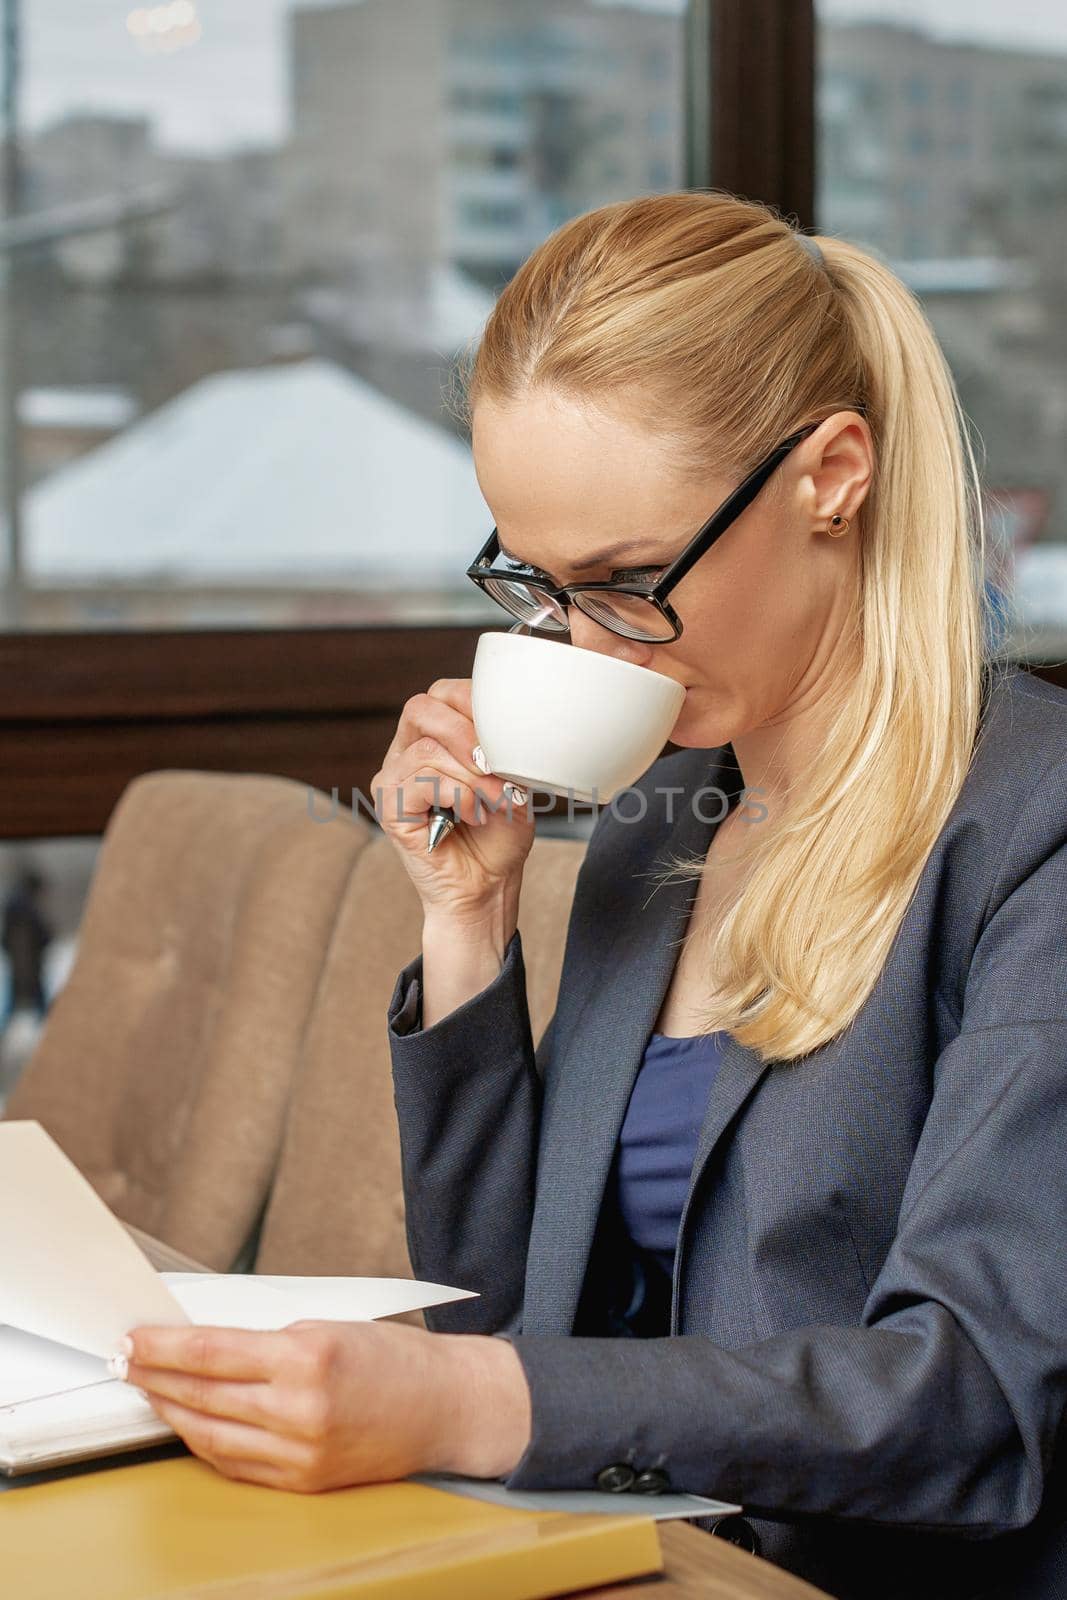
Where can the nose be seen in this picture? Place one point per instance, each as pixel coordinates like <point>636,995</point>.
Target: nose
<point>589,635</point>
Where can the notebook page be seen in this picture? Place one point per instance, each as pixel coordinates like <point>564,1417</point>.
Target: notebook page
<point>30,1366</point>
<point>57,1402</point>
<point>69,1271</point>
<point>46,1380</point>
<point>231,1300</point>
<point>275,1301</point>
<point>90,1421</point>
<point>363,1299</point>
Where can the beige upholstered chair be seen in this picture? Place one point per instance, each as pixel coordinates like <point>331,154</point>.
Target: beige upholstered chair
<point>219,1054</point>
<point>336,1205</point>
<point>165,1066</point>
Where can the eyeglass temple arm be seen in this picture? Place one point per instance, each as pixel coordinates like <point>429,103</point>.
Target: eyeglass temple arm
<point>728,513</point>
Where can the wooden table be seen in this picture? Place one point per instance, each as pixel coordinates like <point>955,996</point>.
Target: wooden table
<point>697,1566</point>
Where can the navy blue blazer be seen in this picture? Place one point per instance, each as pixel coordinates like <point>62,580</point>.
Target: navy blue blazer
<point>868,1329</point>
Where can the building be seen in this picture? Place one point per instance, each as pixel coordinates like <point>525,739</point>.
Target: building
<point>458,133</point>
<point>930,148</point>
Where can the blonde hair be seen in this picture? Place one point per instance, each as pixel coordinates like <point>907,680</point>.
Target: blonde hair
<point>703,308</point>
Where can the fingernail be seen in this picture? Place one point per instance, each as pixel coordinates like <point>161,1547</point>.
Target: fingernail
<point>118,1366</point>
<point>478,756</point>
<point>513,791</point>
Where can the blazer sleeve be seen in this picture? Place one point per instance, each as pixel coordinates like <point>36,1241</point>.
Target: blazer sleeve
<point>468,1098</point>
<point>941,1410</point>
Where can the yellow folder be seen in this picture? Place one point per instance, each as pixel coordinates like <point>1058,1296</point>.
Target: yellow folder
<point>178,1529</point>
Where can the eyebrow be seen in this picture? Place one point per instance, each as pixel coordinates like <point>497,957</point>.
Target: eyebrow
<point>602,558</point>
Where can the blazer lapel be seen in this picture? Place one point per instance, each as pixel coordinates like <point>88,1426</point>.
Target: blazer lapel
<point>740,1072</point>
<point>595,1066</point>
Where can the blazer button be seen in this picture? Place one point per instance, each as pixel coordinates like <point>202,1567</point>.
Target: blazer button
<point>739,1531</point>
<point>652,1481</point>
<point>616,1479</point>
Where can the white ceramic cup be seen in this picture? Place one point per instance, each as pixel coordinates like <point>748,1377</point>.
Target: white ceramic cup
<point>573,722</point>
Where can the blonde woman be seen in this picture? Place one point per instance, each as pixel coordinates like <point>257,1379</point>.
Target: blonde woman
<point>776,1212</point>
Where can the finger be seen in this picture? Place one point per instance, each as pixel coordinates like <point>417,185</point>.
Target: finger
<point>444,710</point>
<point>428,755</point>
<point>212,1352</point>
<point>454,692</point>
<point>308,1477</point>
<point>218,1438</point>
<point>427,774</point>
<point>439,712</point>
<point>249,1401</point>
<point>262,1472</point>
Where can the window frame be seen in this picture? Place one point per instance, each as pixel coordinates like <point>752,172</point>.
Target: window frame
<point>85,712</point>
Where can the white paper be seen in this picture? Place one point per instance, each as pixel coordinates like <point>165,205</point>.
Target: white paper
<point>55,1399</point>
<point>72,1282</point>
<point>84,1422</point>
<point>266,1301</point>
<point>69,1271</point>
<point>31,1366</point>
<point>222,1300</point>
<point>660,1507</point>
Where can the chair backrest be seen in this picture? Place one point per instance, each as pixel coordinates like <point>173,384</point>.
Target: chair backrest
<point>165,1067</point>
<point>337,1203</point>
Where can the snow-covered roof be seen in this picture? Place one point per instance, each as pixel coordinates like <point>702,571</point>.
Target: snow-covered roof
<point>299,473</point>
<point>91,408</point>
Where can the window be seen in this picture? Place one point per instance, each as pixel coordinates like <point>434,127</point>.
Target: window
<point>960,89</point>
<point>970,207</point>
<point>490,214</point>
<point>494,102</point>
<point>254,233</point>
<point>658,65</point>
<point>44,884</point>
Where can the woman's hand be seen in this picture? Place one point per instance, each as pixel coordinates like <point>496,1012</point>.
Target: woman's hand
<point>430,762</point>
<point>320,1405</point>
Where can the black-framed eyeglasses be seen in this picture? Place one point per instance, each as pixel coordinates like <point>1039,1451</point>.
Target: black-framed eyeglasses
<point>627,603</point>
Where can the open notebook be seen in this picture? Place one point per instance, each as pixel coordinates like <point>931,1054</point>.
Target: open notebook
<point>72,1282</point>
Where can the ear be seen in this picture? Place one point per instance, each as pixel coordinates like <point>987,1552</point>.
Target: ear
<point>839,467</point>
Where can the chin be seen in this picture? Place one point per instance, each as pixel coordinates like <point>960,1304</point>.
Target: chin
<point>691,732</point>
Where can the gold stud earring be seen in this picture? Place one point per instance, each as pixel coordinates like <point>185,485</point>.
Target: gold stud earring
<point>837,526</point>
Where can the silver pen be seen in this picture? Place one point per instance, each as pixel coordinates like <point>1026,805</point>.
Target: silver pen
<point>442,822</point>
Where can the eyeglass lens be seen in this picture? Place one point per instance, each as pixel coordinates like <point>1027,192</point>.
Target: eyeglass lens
<point>525,603</point>
<point>627,614</point>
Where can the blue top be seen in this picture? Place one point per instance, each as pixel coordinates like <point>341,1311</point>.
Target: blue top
<point>657,1145</point>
